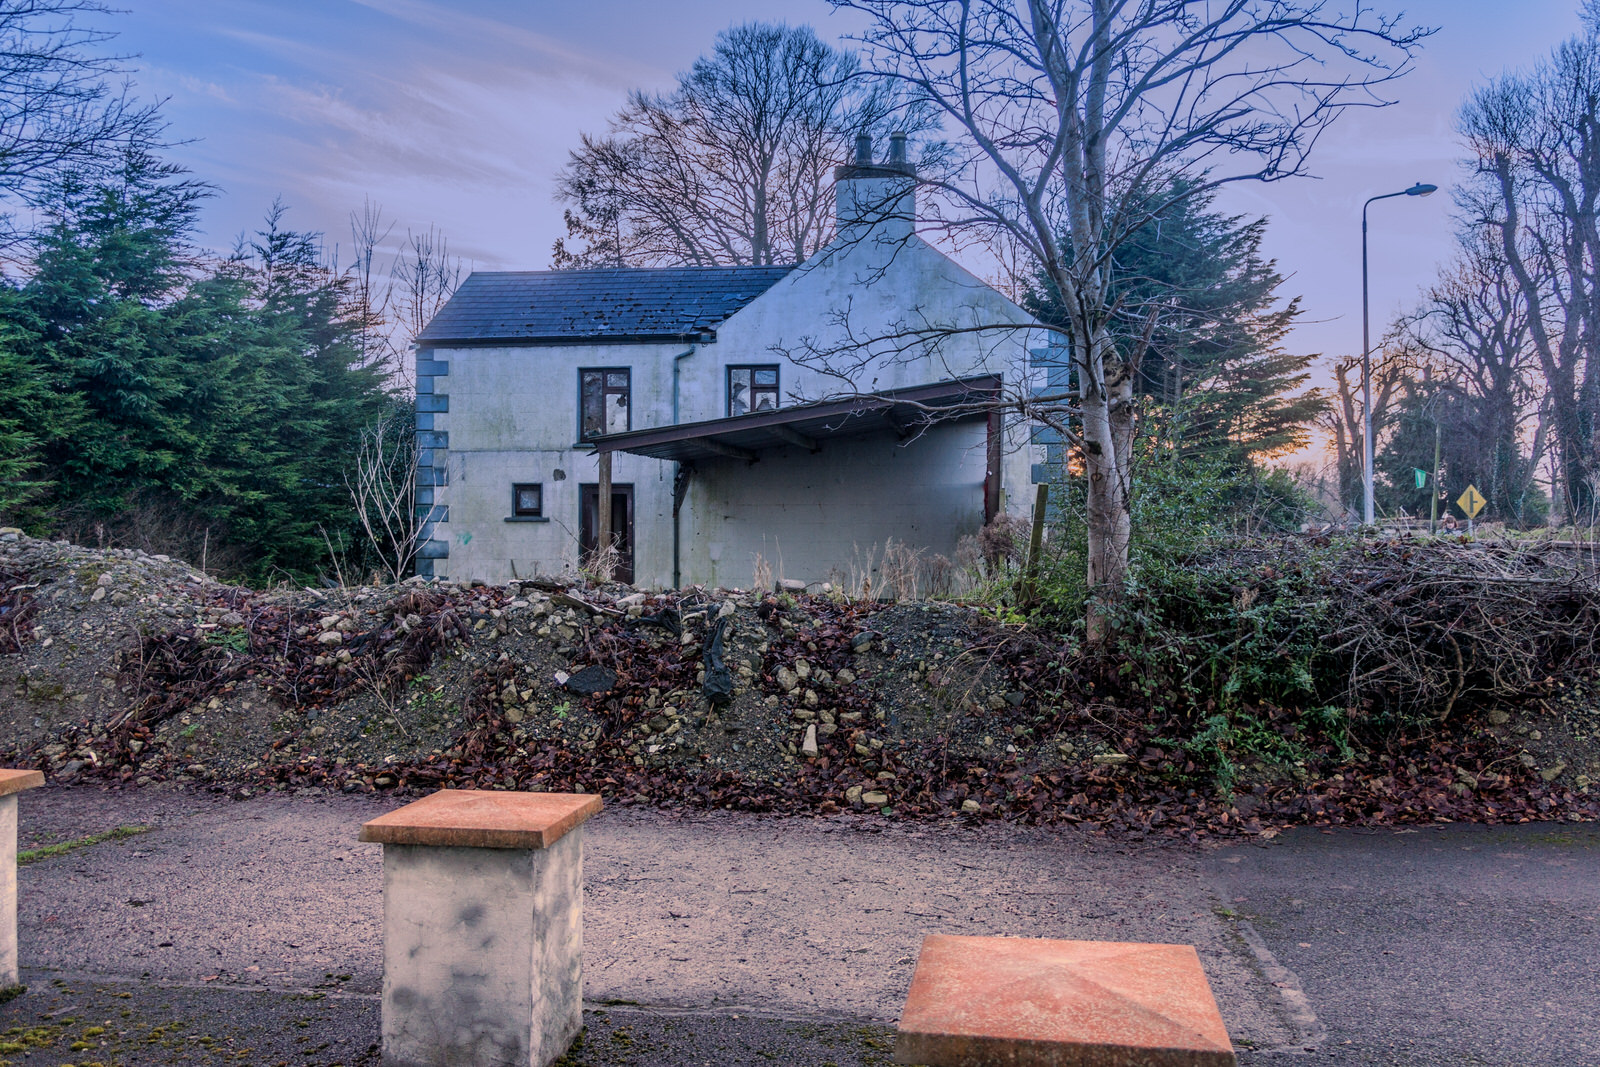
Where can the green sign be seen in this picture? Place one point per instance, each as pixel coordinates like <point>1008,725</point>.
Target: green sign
<point>1421,476</point>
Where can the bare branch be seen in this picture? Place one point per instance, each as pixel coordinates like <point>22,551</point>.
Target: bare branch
<point>382,484</point>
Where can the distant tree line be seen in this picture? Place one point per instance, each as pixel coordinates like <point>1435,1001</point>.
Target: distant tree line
<point>1497,371</point>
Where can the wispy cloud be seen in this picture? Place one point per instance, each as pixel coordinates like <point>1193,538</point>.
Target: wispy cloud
<point>531,47</point>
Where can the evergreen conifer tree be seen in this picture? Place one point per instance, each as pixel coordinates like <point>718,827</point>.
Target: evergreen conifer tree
<point>194,400</point>
<point>1214,371</point>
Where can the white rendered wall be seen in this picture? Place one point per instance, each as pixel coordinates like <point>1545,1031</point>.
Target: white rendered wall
<point>811,517</point>
<point>514,418</point>
<point>881,285</point>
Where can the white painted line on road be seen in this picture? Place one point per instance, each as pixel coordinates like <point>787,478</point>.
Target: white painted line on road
<point>1298,1006</point>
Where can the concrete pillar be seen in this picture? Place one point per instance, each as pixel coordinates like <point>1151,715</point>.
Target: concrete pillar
<point>482,927</point>
<point>11,783</point>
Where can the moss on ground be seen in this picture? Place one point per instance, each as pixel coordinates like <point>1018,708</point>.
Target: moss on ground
<point>61,848</point>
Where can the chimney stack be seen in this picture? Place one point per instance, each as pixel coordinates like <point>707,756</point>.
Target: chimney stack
<point>876,198</point>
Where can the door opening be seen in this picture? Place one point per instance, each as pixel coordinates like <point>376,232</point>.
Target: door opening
<point>621,526</point>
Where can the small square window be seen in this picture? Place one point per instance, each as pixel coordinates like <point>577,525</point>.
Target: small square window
<point>527,500</point>
<point>752,388</point>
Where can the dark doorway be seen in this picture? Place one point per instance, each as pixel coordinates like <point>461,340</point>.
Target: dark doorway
<point>621,525</point>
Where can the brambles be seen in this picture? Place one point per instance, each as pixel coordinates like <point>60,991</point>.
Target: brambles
<point>302,657</point>
<point>1276,648</point>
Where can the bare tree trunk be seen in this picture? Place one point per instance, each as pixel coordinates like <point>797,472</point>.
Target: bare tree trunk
<point>1070,114</point>
<point>1105,398</point>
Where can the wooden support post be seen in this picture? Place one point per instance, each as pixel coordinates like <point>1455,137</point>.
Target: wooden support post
<point>991,478</point>
<point>1030,574</point>
<point>602,520</point>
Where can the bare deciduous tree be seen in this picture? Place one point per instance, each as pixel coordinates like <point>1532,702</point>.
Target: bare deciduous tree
<point>382,483</point>
<point>1535,144</point>
<point>393,306</point>
<point>59,110</point>
<point>1392,365</point>
<point>733,167</point>
<point>1072,115</point>
<point>427,278</point>
<point>370,292</point>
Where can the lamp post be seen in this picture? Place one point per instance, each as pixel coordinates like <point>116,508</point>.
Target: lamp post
<point>1418,189</point>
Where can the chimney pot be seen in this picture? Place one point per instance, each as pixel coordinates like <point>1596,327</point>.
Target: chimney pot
<point>897,148</point>
<point>863,149</point>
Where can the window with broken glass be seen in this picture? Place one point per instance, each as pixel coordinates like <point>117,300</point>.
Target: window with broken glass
<point>752,388</point>
<point>527,500</point>
<point>604,398</point>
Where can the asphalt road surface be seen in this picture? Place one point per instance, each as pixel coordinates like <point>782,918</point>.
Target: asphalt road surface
<point>729,940</point>
<point>1451,944</point>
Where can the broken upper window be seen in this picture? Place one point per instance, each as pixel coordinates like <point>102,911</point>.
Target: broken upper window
<point>752,388</point>
<point>604,395</point>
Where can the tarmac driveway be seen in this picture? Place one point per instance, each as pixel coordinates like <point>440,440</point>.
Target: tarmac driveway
<point>1451,945</point>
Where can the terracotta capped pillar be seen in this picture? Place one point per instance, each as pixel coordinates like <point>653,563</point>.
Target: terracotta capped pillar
<point>11,783</point>
<point>482,927</point>
<point>1024,1002</point>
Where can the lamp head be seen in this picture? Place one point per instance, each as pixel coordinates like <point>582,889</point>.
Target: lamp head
<point>1421,189</point>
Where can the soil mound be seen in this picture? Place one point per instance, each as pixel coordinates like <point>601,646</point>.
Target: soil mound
<point>142,671</point>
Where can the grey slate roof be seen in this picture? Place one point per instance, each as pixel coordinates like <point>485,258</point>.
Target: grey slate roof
<point>612,304</point>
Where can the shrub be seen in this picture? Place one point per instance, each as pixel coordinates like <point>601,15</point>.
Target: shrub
<point>1278,647</point>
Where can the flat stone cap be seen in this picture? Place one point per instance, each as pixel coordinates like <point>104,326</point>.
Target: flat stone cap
<point>13,781</point>
<point>487,818</point>
<point>1018,1002</point>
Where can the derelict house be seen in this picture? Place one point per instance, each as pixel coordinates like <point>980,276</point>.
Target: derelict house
<point>718,395</point>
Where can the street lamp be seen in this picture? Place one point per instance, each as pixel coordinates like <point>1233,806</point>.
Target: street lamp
<point>1418,189</point>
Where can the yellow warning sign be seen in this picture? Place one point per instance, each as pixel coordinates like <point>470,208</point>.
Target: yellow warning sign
<point>1471,502</point>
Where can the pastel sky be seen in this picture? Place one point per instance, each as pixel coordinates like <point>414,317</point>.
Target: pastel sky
<point>459,113</point>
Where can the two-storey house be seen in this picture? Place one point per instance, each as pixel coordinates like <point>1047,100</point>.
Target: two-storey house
<point>806,415</point>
